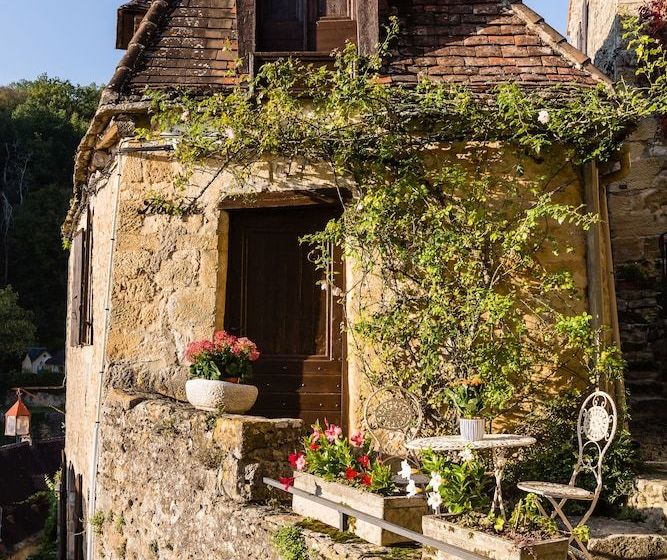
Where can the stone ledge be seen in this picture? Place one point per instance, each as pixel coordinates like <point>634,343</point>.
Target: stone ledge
<point>241,449</point>
<point>621,540</point>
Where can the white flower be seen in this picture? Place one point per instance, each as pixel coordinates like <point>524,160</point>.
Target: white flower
<point>184,115</point>
<point>466,455</point>
<point>229,133</point>
<point>436,481</point>
<point>406,470</point>
<point>434,501</point>
<point>360,207</point>
<point>543,116</point>
<point>411,489</point>
<point>336,292</point>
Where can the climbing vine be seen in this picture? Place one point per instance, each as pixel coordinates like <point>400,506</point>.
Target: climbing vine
<point>451,248</point>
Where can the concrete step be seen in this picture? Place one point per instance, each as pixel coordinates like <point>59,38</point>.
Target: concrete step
<point>613,539</point>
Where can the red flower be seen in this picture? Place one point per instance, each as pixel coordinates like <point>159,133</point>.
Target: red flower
<point>314,446</point>
<point>287,482</point>
<point>293,458</point>
<point>357,439</point>
<point>350,473</point>
<point>364,461</point>
<point>367,480</point>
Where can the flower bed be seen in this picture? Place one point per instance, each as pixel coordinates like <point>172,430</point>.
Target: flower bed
<point>351,474</point>
<point>493,546</point>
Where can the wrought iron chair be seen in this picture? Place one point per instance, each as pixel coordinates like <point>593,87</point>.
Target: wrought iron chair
<point>392,416</point>
<point>596,427</point>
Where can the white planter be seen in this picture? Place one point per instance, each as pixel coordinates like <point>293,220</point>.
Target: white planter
<point>491,546</point>
<point>472,429</point>
<point>400,510</point>
<point>220,396</point>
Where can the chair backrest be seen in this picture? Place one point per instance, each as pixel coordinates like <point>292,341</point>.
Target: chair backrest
<point>596,428</point>
<point>392,417</point>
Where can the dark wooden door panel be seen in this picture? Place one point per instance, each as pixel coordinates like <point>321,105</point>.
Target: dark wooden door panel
<point>274,298</point>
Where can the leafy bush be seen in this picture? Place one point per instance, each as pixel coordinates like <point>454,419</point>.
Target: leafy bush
<point>290,544</point>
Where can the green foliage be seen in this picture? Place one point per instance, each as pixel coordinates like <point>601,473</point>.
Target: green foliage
<point>466,396</point>
<point>17,330</point>
<point>97,522</point>
<point>48,545</point>
<point>526,517</point>
<point>41,124</point>
<point>554,425</point>
<point>464,486</point>
<point>290,543</point>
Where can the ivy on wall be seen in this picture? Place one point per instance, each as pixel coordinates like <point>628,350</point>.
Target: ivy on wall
<point>457,252</point>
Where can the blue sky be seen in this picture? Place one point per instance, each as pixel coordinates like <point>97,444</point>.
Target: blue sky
<point>74,39</point>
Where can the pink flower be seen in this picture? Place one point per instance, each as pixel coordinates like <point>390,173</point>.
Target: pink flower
<point>316,435</point>
<point>294,459</point>
<point>246,347</point>
<point>287,482</point>
<point>357,439</point>
<point>223,340</point>
<point>333,432</point>
<point>300,463</point>
<point>196,349</point>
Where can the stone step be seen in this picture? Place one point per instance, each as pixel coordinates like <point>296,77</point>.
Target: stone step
<point>643,407</point>
<point>642,374</point>
<point>650,499</point>
<point>613,539</point>
<point>646,387</point>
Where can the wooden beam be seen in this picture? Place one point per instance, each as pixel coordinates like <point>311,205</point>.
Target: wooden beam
<point>282,199</point>
<point>368,26</point>
<point>246,30</point>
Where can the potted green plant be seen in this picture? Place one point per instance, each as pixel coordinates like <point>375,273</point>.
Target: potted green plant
<point>217,367</point>
<point>467,397</point>
<point>348,472</point>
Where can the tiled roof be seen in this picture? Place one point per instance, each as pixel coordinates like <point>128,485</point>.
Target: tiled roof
<point>136,4</point>
<point>482,43</point>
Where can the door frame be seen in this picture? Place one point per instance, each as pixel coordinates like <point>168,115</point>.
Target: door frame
<point>324,197</point>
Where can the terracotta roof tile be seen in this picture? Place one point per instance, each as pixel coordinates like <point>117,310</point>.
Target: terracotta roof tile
<point>482,43</point>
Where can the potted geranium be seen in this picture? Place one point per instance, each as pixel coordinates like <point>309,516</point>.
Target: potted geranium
<point>467,397</point>
<point>217,367</point>
<point>458,494</point>
<point>348,472</point>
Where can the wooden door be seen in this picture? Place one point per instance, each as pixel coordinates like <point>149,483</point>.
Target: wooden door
<point>273,298</point>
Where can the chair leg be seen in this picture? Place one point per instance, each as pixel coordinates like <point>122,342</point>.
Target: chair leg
<point>580,545</point>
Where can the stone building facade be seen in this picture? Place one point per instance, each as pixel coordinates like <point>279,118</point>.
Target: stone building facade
<point>147,468</point>
<point>637,201</point>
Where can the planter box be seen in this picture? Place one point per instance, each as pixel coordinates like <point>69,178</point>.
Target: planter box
<point>491,546</point>
<point>401,510</point>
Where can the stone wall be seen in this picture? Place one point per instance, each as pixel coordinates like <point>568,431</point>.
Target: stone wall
<point>638,217</point>
<point>180,484</point>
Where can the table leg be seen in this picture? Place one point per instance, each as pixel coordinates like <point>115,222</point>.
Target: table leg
<point>499,463</point>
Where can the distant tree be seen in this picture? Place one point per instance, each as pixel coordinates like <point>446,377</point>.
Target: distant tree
<point>41,124</point>
<point>17,331</point>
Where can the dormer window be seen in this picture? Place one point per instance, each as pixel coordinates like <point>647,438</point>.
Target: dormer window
<point>294,26</point>
<point>130,16</point>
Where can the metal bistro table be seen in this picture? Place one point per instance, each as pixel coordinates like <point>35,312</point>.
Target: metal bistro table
<point>500,446</point>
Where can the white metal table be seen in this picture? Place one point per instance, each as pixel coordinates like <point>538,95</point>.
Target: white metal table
<point>500,446</point>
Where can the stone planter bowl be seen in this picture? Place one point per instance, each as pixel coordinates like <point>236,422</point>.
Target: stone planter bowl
<point>220,396</point>
<point>472,429</point>
<point>491,546</point>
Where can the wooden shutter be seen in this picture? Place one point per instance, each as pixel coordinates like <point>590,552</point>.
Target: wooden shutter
<point>86,327</point>
<point>75,289</point>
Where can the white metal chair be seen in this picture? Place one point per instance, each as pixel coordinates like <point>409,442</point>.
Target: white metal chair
<point>392,416</point>
<point>596,427</point>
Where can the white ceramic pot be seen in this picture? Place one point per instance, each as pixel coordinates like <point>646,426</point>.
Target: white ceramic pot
<point>220,396</point>
<point>472,429</point>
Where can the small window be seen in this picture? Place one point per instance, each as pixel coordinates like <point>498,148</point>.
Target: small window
<point>81,332</point>
<point>303,25</point>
